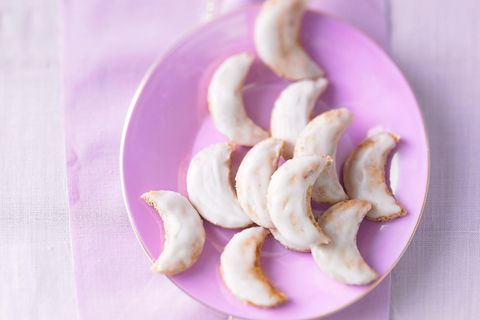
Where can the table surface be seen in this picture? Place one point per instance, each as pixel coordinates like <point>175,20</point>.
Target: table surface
<point>435,42</point>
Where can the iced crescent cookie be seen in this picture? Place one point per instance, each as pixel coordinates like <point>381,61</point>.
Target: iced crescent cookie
<point>293,109</point>
<point>253,177</point>
<point>364,176</point>
<point>320,137</point>
<point>225,101</point>
<point>241,270</point>
<point>288,200</point>
<point>184,232</point>
<point>340,258</point>
<point>210,190</point>
<point>277,40</point>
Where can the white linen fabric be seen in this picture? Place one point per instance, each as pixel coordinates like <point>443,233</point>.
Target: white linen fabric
<point>36,275</point>
<point>437,45</point>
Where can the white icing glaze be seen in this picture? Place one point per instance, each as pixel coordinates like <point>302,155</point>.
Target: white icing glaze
<point>340,258</point>
<point>277,40</point>
<point>241,270</point>
<point>288,200</point>
<point>287,244</point>
<point>293,109</point>
<point>226,103</point>
<point>184,232</point>
<point>320,137</point>
<point>210,190</point>
<point>253,177</point>
<point>364,176</point>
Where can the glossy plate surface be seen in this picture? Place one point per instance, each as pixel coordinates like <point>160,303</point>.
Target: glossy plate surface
<point>169,122</point>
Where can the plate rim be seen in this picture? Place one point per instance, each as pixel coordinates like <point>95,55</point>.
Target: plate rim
<point>148,75</point>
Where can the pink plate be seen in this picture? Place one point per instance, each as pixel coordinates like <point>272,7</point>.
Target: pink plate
<point>169,122</point>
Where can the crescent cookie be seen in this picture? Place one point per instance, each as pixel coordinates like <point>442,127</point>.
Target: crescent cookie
<point>225,101</point>
<point>340,258</point>
<point>184,232</point>
<point>364,176</point>
<point>241,270</point>
<point>288,199</point>
<point>210,190</point>
<point>292,111</point>
<point>277,40</point>
<point>253,177</point>
<point>320,137</point>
